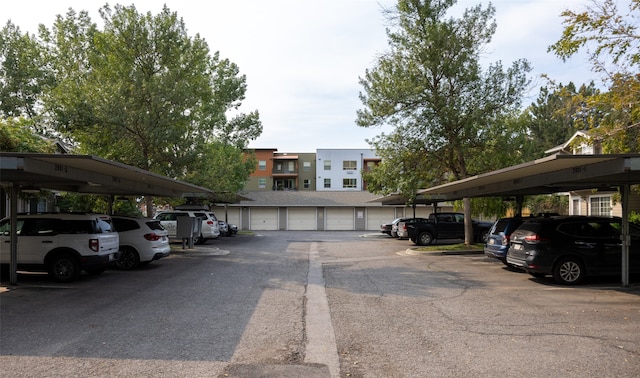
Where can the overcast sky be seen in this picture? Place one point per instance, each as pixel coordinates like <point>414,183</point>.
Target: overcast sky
<point>303,58</point>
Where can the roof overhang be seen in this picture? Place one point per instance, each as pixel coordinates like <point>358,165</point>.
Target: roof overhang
<point>552,174</point>
<point>89,175</point>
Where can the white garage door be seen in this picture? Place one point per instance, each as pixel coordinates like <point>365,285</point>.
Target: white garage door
<point>233,215</point>
<point>340,219</point>
<point>264,219</point>
<point>301,218</point>
<point>378,216</point>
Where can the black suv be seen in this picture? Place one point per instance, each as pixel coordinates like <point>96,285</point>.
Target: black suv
<point>572,247</point>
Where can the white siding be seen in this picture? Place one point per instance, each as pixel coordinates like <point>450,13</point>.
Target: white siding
<point>337,174</point>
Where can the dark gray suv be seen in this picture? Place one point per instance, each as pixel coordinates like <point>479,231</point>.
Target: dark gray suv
<point>572,247</point>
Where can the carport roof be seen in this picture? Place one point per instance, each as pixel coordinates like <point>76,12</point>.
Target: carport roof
<point>89,175</point>
<point>552,174</point>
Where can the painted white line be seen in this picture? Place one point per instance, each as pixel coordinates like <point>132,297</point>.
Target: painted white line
<point>321,341</point>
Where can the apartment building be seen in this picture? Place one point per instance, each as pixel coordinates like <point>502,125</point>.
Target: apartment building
<point>325,170</point>
<point>341,169</point>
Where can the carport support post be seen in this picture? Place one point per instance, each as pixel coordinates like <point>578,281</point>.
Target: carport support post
<point>626,239</point>
<point>13,259</point>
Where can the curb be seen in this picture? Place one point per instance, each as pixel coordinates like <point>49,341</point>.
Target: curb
<point>447,253</point>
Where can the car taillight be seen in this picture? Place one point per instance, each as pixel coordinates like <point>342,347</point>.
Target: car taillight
<point>210,223</point>
<point>505,240</point>
<point>534,238</point>
<point>152,236</point>
<point>94,245</point>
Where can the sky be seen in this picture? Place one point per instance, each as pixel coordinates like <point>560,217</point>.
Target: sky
<point>303,58</point>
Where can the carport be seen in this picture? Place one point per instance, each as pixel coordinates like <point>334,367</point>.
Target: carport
<point>85,174</point>
<point>554,174</point>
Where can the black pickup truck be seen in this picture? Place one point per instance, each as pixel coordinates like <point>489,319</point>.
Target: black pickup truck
<point>445,226</point>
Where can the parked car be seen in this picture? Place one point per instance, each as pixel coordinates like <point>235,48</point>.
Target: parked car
<point>572,247</point>
<point>209,230</point>
<point>233,229</point>
<point>499,237</point>
<point>446,226</point>
<point>224,228</point>
<point>62,244</point>
<point>391,228</point>
<point>142,240</point>
<point>402,230</point>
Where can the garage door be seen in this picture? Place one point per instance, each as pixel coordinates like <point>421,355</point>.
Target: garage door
<point>264,218</point>
<point>378,216</point>
<point>340,219</point>
<point>233,214</point>
<point>301,218</point>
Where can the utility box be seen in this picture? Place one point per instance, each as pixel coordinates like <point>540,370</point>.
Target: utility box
<point>197,227</point>
<point>185,229</point>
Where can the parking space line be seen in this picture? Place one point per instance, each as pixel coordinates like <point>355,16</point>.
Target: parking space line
<point>321,345</point>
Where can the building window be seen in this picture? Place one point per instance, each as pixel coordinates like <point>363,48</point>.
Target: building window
<point>600,206</point>
<point>349,183</point>
<point>575,207</point>
<point>262,183</point>
<point>327,165</point>
<point>306,166</point>
<point>349,165</point>
<point>262,165</point>
<point>327,183</point>
<point>306,183</point>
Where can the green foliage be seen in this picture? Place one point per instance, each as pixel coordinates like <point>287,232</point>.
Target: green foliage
<point>223,168</point>
<point>139,91</point>
<point>554,203</point>
<point>23,73</point>
<point>448,114</point>
<point>18,135</point>
<point>610,37</point>
<point>72,202</point>
<point>558,112</point>
<point>487,207</point>
<point>634,217</point>
<point>604,32</point>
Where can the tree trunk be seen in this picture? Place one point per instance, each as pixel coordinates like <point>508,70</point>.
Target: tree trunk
<point>149,203</point>
<point>468,226</point>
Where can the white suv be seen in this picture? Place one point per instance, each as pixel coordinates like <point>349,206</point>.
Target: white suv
<point>209,230</point>
<point>142,240</point>
<point>61,244</point>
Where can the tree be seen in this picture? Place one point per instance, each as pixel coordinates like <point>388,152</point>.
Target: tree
<point>17,135</point>
<point>432,90</point>
<point>610,39</point>
<point>558,112</point>
<point>144,93</point>
<point>23,73</point>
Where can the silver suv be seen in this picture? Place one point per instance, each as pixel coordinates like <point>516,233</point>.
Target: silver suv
<point>210,228</point>
<point>62,244</point>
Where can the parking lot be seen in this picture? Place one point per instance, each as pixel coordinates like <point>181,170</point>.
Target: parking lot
<point>236,306</point>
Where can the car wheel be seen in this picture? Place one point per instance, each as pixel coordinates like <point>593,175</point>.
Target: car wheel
<point>568,271</point>
<point>200,240</point>
<point>128,260</point>
<point>483,236</point>
<point>64,267</point>
<point>425,238</point>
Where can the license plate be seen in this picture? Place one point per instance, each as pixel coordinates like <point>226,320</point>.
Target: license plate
<point>517,246</point>
<point>491,241</point>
